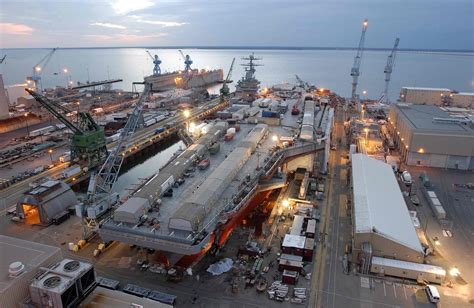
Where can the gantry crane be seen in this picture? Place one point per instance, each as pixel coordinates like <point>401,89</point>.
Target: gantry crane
<point>88,139</point>
<point>388,69</point>
<point>225,88</point>
<point>34,81</point>
<point>156,61</point>
<point>187,62</point>
<point>355,71</point>
<point>100,197</point>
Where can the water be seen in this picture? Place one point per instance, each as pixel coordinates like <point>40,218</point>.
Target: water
<point>145,168</point>
<point>325,68</point>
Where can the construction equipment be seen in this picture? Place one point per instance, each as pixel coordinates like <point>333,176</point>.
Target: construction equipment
<point>187,62</point>
<point>156,61</point>
<point>99,194</point>
<point>88,139</point>
<point>34,81</point>
<point>355,72</point>
<point>302,84</point>
<point>225,88</point>
<point>3,59</point>
<point>388,69</point>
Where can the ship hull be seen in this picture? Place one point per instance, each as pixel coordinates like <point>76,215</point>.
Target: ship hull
<point>194,79</point>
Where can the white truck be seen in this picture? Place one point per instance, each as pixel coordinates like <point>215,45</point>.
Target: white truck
<point>406,178</point>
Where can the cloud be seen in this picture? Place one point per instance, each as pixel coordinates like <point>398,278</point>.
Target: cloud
<point>124,38</point>
<point>123,7</point>
<point>108,25</point>
<point>158,22</point>
<point>15,29</point>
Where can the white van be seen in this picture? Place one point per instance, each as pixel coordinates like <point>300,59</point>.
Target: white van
<point>432,293</point>
<point>406,178</point>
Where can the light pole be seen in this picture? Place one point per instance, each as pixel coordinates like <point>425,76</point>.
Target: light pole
<point>364,93</point>
<point>27,127</point>
<point>50,152</point>
<point>186,114</point>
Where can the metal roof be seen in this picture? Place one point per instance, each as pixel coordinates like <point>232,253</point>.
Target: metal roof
<point>422,117</point>
<point>409,265</point>
<point>378,202</point>
<point>296,241</point>
<point>31,254</point>
<point>428,89</point>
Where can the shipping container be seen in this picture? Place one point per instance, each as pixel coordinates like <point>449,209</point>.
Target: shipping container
<point>408,270</point>
<point>71,171</point>
<point>290,277</point>
<point>270,114</point>
<point>42,131</point>
<point>150,122</point>
<point>291,265</point>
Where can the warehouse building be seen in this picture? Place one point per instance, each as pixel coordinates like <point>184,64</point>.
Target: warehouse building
<point>437,97</point>
<point>432,136</point>
<point>381,222</point>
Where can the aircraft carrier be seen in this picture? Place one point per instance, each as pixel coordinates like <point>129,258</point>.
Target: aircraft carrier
<point>186,211</point>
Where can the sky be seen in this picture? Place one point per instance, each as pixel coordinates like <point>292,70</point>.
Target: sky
<point>422,24</point>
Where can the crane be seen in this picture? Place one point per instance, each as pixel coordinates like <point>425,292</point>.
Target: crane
<point>88,139</point>
<point>187,62</point>
<point>3,59</point>
<point>225,88</point>
<point>156,60</point>
<point>100,197</point>
<point>34,81</point>
<point>388,69</point>
<point>357,61</point>
<point>303,84</point>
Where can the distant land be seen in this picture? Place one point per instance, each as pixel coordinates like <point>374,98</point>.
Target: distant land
<point>420,50</point>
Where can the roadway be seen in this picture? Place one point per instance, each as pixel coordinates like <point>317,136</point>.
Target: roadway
<point>330,287</point>
<point>142,138</point>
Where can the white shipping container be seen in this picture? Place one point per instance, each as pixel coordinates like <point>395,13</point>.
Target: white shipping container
<point>42,131</point>
<point>160,118</point>
<point>167,184</point>
<point>72,171</point>
<point>150,122</point>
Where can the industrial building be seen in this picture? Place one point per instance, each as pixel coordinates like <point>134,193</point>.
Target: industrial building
<point>437,97</point>
<point>46,203</point>
<point>381,222</point>
<point>433,136</point>
<point>20,261</point>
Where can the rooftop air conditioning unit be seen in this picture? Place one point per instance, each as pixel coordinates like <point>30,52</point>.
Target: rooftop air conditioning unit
<point>63,285</point>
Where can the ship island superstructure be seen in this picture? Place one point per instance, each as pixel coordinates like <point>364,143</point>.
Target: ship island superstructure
<point>247,87</point>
